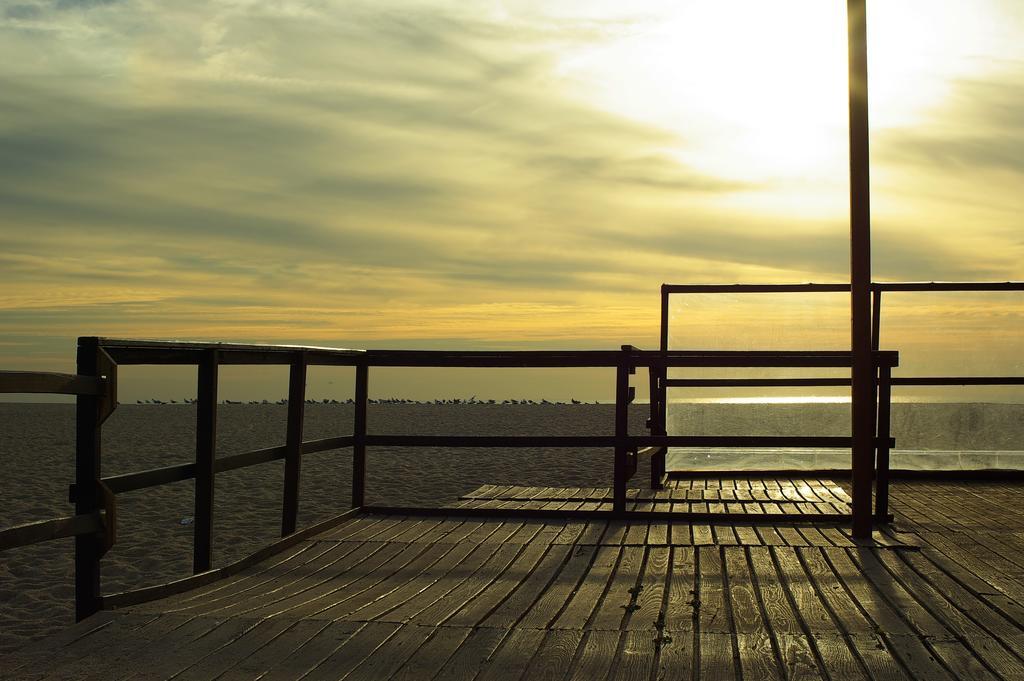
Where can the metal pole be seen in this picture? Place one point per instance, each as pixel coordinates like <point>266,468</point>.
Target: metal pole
<point>862,372</point>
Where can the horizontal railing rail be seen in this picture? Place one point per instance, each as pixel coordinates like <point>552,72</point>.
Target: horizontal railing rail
<point>958,380</point>
<point>154,477</point>
<point>825,382</point>
<point>605,358</point>
<point>53,528</point>
<point>170,352</point>
<point>754,382</point>
<point>980,286</point>
<point>97,523</point>
<point>845,288</point>
<point>130,351</point>
<point>631,441</point>
<point>37,382</point>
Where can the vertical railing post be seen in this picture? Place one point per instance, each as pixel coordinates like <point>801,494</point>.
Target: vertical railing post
<point>621,432</point>
<point>882,459</point>
<point>293,443</point>
<point>663,371</point>
<point>876,318</point>
<point>88,548</point>
<point>876,336</point>
<point>656,425</point>
<point>206,455</point>
<point>359,436</point>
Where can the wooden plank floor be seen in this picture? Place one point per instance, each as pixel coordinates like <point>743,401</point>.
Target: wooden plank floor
<point>696,495</point>
<point>450,597</point>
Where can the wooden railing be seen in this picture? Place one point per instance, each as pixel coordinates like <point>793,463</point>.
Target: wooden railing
<point>96,387</point>
<point>884,378</point>
<point>99,521</point>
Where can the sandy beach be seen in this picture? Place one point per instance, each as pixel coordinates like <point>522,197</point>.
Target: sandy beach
<point>153,544</point>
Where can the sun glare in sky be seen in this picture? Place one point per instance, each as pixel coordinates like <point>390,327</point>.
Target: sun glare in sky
<point>479,174</point>
<point>758,90</point>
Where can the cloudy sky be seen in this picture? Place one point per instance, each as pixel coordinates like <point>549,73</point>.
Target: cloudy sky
<point>463,173</point>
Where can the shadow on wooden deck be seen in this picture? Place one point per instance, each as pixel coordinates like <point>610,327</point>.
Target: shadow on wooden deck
<point>446,596</point>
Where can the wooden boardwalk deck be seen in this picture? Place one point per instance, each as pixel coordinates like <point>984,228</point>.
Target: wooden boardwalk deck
<point>455,597</point>
<point>741,496</point>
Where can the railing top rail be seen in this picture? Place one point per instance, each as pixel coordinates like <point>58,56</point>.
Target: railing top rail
<point>124,351</point>
<point>842,288</point>
<point>484,358</point>
<point>754,288</point>
<point>949,286</point>
<point>611,358</point>
<point>132,351</point>
<point>133,343</point>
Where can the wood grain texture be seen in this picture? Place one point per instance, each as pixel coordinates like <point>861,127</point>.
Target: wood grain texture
<point>555,656</point>
<point>597,656</point>
<point>449,596</point>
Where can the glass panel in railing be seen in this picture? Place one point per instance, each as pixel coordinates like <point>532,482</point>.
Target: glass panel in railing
<point>961,334</point>
<point>759,321</point>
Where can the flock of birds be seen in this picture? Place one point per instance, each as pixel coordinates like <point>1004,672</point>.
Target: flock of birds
<point>388,400</point>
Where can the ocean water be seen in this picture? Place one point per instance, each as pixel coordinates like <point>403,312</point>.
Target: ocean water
<point>929,435</point>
